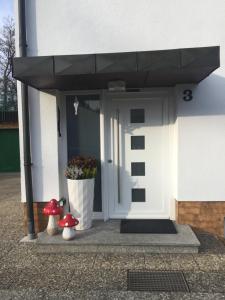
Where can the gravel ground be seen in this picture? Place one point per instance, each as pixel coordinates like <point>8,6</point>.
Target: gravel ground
<point>25,274</point>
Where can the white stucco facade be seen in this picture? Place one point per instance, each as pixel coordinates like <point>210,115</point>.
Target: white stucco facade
<point>63,27</point>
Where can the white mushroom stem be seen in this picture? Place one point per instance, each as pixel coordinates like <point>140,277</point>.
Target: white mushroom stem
<point>68,233</point>
<point>52,227</point>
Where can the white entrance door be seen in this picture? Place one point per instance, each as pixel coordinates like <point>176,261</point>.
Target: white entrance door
<point>140,157</point>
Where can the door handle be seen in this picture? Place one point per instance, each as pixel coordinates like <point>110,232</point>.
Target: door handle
<point>109,161</point>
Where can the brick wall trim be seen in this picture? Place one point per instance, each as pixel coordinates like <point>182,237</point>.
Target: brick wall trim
<point>40,220</point>
<point>204,215</point>
<point>9,125</point>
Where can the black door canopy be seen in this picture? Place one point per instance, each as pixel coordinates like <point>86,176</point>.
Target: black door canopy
<point>137,69</point>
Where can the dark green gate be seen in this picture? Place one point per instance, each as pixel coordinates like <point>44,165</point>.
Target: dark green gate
<point>9,150</point>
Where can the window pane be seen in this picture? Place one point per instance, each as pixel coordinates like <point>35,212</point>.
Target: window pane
<point>83,134</point>
<point>138,195</point>
<point>137,115</point>
<point>137,142</point>
<point>138,169</point>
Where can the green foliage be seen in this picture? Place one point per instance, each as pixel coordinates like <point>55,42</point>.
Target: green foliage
<point>7,52</point>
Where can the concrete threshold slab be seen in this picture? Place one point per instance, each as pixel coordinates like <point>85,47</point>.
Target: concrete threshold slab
<point>106,237</point>
<point>27,240</point>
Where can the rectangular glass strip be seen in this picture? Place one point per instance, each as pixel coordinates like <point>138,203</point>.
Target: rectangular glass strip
<point>137,169</point>
<point>80,137</point>
<point>137,142</point>
<point>137,115</point>
<point>138,195</point>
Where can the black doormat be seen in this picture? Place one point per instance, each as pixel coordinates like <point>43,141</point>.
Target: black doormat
<point>147,226</point>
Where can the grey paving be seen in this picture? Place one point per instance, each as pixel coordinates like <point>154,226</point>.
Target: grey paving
<point>215,262</point>
<point>210,243</point>
<point>209,282</point>
<point>179,262</point>
<point>104,295</point>
<point>28,273</point>
<point>121,261</point>
<point>106,236</point>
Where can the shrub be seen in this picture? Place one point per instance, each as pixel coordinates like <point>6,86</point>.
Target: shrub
<point>80,167</point>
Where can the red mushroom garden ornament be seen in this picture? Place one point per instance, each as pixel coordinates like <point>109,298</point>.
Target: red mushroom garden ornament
<point>68,223</point>
<point>52,209</point>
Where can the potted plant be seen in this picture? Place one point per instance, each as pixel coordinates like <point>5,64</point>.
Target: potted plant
<point>80,173</point>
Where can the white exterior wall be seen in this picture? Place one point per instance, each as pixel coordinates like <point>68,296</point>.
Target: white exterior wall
<point>62,147</point>
<point>57,27</point>
<point>44,146</point>
<point>44,141</point>
<point>201,141</point>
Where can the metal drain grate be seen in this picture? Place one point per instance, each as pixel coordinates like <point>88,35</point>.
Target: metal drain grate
<point>156,281</point>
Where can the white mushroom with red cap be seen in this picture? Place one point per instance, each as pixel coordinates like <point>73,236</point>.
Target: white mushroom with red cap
<point>52,209</point>
<point>68,224</point>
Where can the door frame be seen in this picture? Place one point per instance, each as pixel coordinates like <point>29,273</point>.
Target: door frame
<point>105,98</point>
<point>107,143</point>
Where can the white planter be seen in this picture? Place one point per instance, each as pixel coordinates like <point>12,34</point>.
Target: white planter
<point>81,197</point>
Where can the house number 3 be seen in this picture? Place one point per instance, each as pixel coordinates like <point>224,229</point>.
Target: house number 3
<point>187,95</point>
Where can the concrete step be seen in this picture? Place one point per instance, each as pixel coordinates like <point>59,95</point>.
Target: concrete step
<point>53,249</point>
<point>106,237</point>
